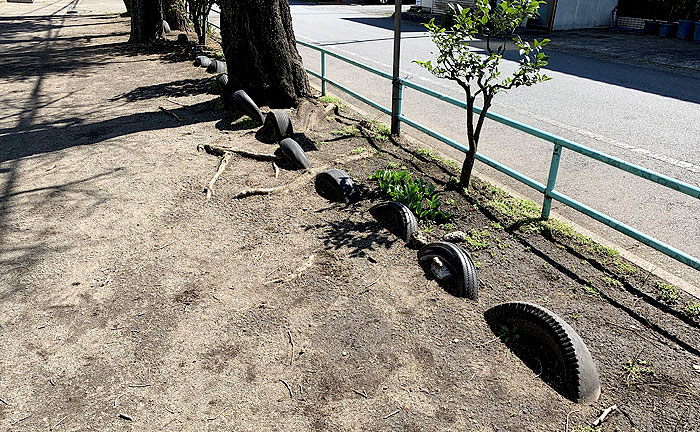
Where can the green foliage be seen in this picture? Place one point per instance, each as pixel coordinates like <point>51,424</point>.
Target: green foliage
<point>509,334</point>
<point>667,293</point>
<point>692,308</point>
<point>358,150</point>
<point>346,131</point>
<point>420,197</point>
<point>635,369</point>
<point>591,290</point>
<point>246,122</point>
<point>624,267</point>
<point>612,283</point>
<point>381,131</point>
<point>430,154</point>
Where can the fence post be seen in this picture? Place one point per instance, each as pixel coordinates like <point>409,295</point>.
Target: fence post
<point>399,97</point>
<point>551,180</point>
<point>323,73</point>
<point>396,81</point>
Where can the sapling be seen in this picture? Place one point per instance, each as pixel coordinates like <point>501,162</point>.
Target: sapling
<point>493,22</point>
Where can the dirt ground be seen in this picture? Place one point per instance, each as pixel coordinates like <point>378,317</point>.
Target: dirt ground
<point>128,302</point>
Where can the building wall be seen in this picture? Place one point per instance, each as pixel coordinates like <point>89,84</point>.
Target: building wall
<point>576,14</point>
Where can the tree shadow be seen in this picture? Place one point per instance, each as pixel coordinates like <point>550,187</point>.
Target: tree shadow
<point>359,237</point>
<point>179,88</point>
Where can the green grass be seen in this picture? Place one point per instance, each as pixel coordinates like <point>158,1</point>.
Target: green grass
<point>430,154</point>
<point>623,267</point>
<point>358,150</point>
<point>555,227</point>
<point>667,293</point>
<point>591,290</point>
<point>334,100</point>
<point>346,131</point>
<point>448,227</point>
<point>635,369</point>
<point>381,131</point>
<point>246,122</point>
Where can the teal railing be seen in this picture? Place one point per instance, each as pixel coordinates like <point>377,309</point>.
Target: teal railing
<point>548,190</point>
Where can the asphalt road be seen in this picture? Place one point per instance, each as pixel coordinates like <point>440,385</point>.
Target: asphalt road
<point>643,114</point>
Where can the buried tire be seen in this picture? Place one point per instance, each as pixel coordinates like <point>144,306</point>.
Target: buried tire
<point>246,104</point>
<point>202,61</point>
<point>277,125</point>
<point>216,66</point>
<point>293,153</point>
<point>397,218</point>
<point>539,335</point>
<point>336,185</point>
<point>462,278</point>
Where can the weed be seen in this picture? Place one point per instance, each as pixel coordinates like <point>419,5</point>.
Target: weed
<point>450,201</point>
<point>495,190</point>
<point>358,150</point>
<point>612,283</point>
<point>553,227</point>
<point>623,267</point>
<point>501,244</point>
<point>346,131</point>
<point>219,55</point>
<point>447,227</point>
<point>667,293</point>
<point>219,104</point>
<point>381,131</point>
<point>509,334</point>
<point>321,143</point>
<point>496,225</point>
<point>477,264</point>
<point>692,308</point>
<point>592,290</point>
<point>430,154</point>
<point>429,229</point>
<point>635,369</point>
<point>514,209</point>
<point>576,316</point>
<point>246,122</point>
<point>509,285</point>
<point>330,118</point>
<point>420,197</point>
<point>393,165</point>
<point>477,240</point>
<point>334,100</point>
<point>586,428</point>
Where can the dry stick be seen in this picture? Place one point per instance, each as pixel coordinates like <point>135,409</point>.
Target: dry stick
<point>372,283</point>
<point>291,395</point>
<point>363,394</point>
<point>4,401</point>
<point>602,417</point>
<point>59,422</point>
<point>220,151</point>
<point>291,342</point>
<point>209,188</point>
<point>171,113</point>
<point>277,169</point>
<point>391,414</point>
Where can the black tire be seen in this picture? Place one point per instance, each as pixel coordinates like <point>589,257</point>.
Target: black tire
<point>202,61</point>
<point>397,218</point>
<point>293,152</point>
<point>336,185</point>
<point>246,104</point>
<point>222,81</point>
<point>216,66</point>
<point>463,280</point>
<point>166,27</point>
<point>279,125</point>
<point>565,362</point>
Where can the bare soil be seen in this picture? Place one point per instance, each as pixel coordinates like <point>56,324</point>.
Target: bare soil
<point>128,302</point>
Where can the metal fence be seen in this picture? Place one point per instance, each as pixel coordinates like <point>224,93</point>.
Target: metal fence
<point>548,190</point>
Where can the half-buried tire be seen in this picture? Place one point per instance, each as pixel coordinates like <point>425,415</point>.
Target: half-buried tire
<point>396,217</point>
<point>216,66</point>
<point>336,185</point>
<point>166,27</point>
<point>293,152</point>
<point>245,103</point>
<point>202,61</point>
<point>549,346</point>
<point>461,280</point>
<point>277,125</point>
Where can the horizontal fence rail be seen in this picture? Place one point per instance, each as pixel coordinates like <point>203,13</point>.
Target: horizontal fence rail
<point>560,143</point>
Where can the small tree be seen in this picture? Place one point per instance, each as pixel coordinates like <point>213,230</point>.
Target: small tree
<point>479,74</point>
<point>146,21</point>
<point>199,11</point>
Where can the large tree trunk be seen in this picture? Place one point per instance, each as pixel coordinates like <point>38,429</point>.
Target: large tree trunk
<point>146,21</point>
<point>261,54</point>
<point>175,14</point>
<point>129,7</point>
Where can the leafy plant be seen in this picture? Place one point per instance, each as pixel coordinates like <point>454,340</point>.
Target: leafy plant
<point>667,293</point>
<point>692,308</point>
<point>334,100</point>
<point>358,150</point>
<point>478,74</point>
<point>509,334</point>
<point>420,197</point>
<point>346,131</point>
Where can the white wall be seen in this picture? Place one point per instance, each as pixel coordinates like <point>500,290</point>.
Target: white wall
<point>575,14</point>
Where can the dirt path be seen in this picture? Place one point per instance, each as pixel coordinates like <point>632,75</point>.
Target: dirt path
<point>127,302</point>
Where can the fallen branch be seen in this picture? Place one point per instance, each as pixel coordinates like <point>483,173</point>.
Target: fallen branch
<point>277,169</point>
<point>606,413</point>
<point>171,113</point>
<point>220,151</point>
<point>209,188</point>
<point>291,342</point>
<point>363,394</point>
<point>257,191</point>
<point>391,414</point>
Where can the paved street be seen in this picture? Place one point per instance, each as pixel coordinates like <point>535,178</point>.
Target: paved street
<point>646,115</point>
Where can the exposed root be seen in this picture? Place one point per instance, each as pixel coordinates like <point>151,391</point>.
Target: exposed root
<point>245,193</point>
<point>220,151</point>
<point>277,169</point>
<point>177,117</point>
<point>309,262</point>
<point>209,188</point>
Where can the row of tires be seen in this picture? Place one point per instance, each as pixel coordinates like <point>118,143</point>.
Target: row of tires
<point>538,334</point>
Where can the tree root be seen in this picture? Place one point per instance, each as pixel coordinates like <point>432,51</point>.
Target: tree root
<point>177,117</point>
<point>220,151</point>
<point>209,189</point>
<point>309,262</point>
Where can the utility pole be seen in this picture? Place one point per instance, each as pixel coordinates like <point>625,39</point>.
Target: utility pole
<point>396,90</point>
